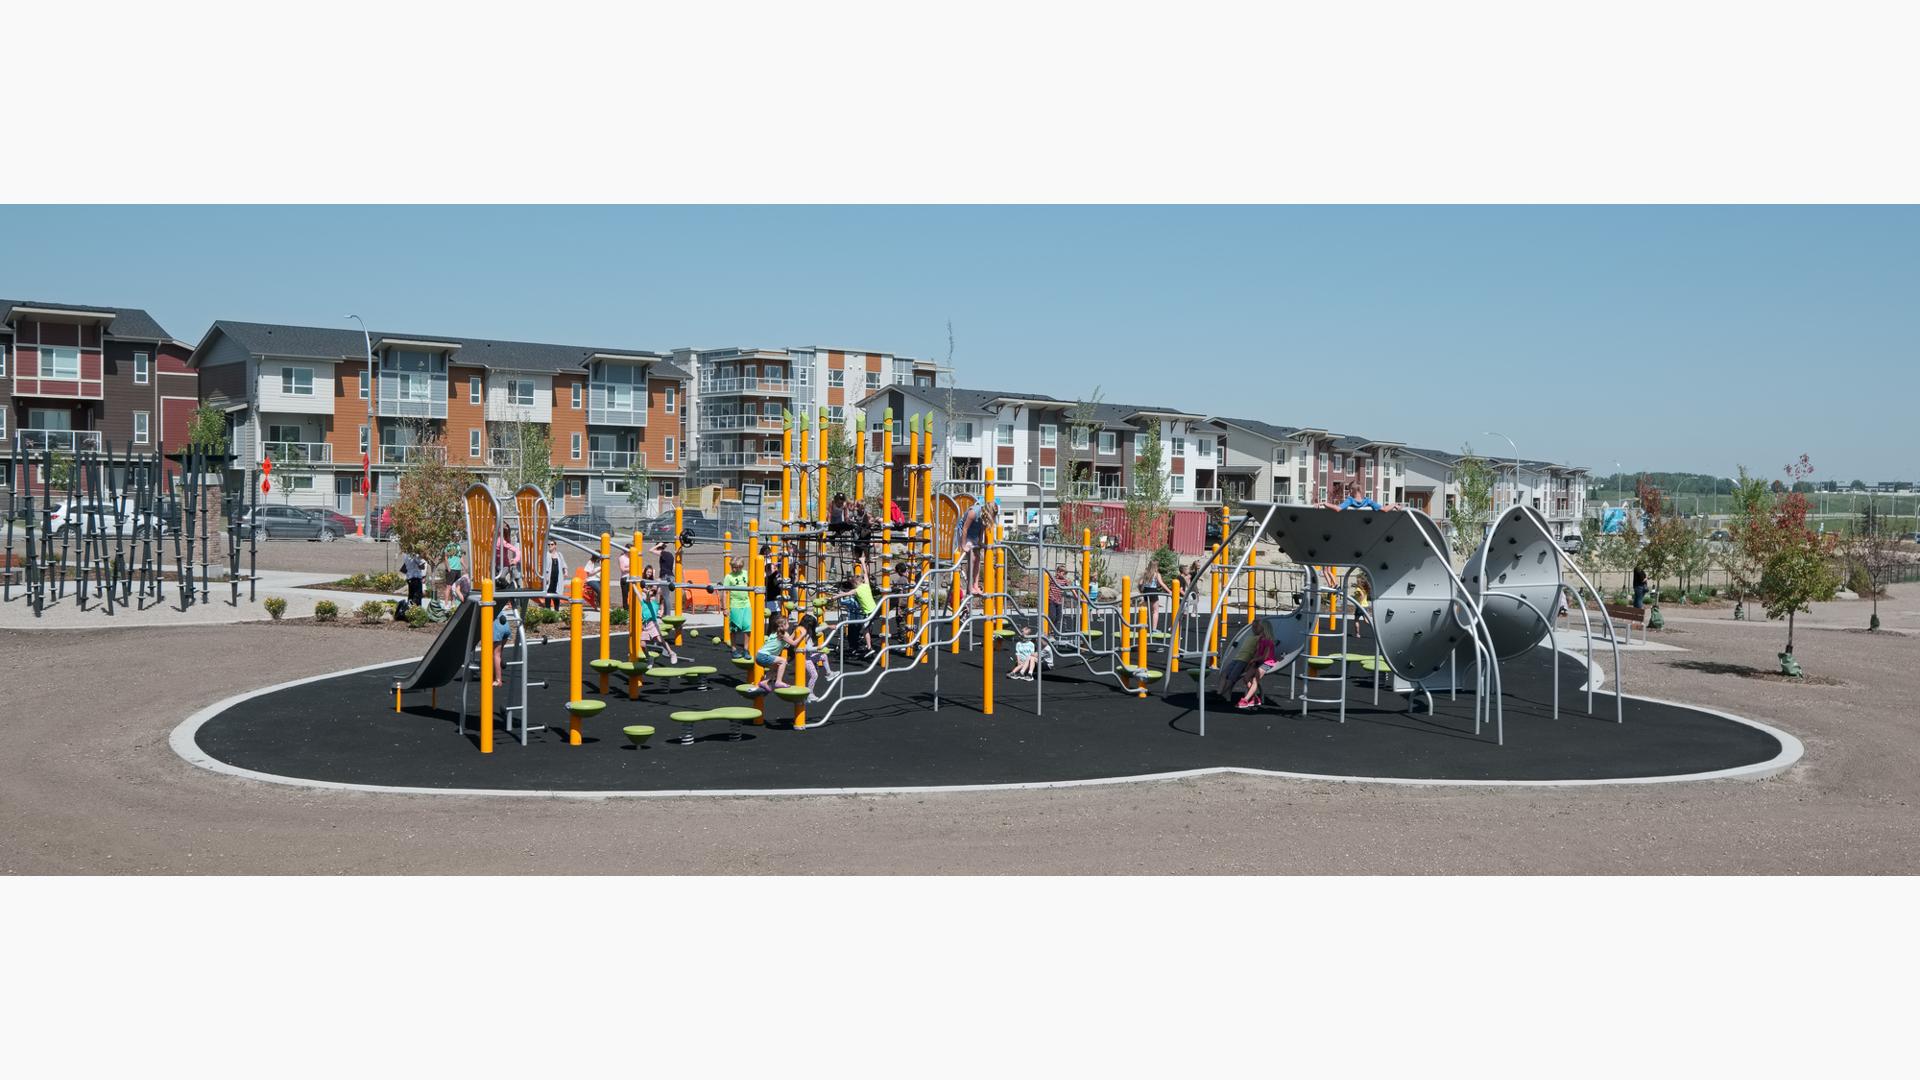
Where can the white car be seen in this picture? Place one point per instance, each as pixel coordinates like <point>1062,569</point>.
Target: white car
<point>104,518</point>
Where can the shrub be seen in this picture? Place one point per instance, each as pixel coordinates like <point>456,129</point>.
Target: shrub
<point>326,611</point>
<point>356,582</point>
<point>387,581</point>
<point>619,616</point>
<point>276,606</point>
<point>1168,561</point>
<point>417,616</point>
<point>539,616</point>
<point>1860,583</point>
<point>1670,594</point>
<point>372,611</point>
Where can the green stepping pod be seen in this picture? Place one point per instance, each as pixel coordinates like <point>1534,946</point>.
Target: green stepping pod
<point>792,693</point>
<point>742,662</point>
<point>638,734</point>
<point>585,708</point>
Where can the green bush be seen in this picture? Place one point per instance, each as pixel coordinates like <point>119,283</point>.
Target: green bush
<point>276,606</point>
<point>325,611</point>
<point>387,581</point>
<point>1858,583</point>
<point>1670,594</point>
<point>539,616</point>
<point>417,616</point>
<point>619,616</point>
<point>1169,563</point>
<point>372,611</point>
<point>356,582</point>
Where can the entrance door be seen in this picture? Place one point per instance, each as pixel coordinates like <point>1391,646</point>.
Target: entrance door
<point>343,494</point>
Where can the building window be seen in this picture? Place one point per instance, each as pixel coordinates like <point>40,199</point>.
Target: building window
<point>142,365</point>
<point>59,363</point>
<point>363,383</point>
<point>666,489</point>
<point>1049,438</point>
<point>1323,461</point>
<point>140,428</point>
<point>576,446</point>
<point>296,381</point>
<point>1003,474</point>
<point>837,414</point>
<point>1003,434</point>
<point>836,378</point>
<point>577,486</point>
<point>3,361</point>
<point>1179,446</point>
<point>670,396</point>
<point>283,433</point>
<point>1049,477</point>
<point>1204,447</point>
<point>1082,438</point>
<point>576,395</point>
<point>473,389</point>
<point>1279,455</point>
<point>613,486</point>
<point>1109,442</point>
<point>473,442</point>
<point>1179,484</point>
<point>298,482</point>
<point>873,380</point>
<point>669,448</point>
<point>903,371</point>
<point>366,439</point>
<point>750,372</point>
<point>963,430</point>
<point>520,392</point>
<point>1339,463</point>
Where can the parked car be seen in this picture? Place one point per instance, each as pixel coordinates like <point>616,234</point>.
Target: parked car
<point>1720,536</point>
<point>591,523</point>
<point>346,525</point>
<point>286,522</point>
<point>1570,544</point>
<point>103,518</point>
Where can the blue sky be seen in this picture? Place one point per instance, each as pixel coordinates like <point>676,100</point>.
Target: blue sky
<point>1660,337</point>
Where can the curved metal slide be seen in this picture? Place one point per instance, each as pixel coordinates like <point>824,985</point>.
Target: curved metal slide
<point>448,653</point>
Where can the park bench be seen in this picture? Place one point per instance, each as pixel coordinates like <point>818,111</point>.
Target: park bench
<point>1632,617</point>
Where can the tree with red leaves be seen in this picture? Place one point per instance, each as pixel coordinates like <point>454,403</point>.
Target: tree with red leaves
<point>1795,563</point>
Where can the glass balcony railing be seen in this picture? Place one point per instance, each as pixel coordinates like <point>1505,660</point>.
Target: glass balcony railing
<point>736,460</point>
<point>740,422</point>
<point>1206,495</point>
<point>757,387</point>
<point>391,454</point>
<point>297,453</point>
<point>71,442</point>
<point>615,459</point>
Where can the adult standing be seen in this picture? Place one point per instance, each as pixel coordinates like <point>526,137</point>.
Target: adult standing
<point>553,575</point>
<point>663,552</point>
<point>1639,586</point>
<point>456,569</point>
<point>414,569</point>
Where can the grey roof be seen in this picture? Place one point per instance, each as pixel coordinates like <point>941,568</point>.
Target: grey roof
<point>335,343</point>
<point>1276,432</point>
<point>127,322</point>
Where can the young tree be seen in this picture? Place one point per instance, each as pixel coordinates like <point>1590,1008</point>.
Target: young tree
<point>639,485</point>
<point>207,431</point>
<point>1077,481</point>
<point>1148,498</point>
<point>429,508</point>
<point>840,452</point>
<point>1795,562</point>
<point>1745,556</point>
<point>1872,551</point>
<point>1472,508</point>
<point>529,455</point>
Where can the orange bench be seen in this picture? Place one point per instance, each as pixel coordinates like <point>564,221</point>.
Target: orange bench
<point>699,599</point>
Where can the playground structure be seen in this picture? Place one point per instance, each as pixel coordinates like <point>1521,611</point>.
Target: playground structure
<point>1377,580</point>
<point>128,526</point>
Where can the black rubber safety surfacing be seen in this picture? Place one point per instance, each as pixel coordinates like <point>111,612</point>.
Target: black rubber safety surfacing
<point>344,729</point>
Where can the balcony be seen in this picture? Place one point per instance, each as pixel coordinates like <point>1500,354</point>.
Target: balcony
<point>1081,489</point>
<point>69,442</point>
<point>740,422</point>
<point>626,408</point>
<point>407,455</point>
<point>1210,496</point>
<point>297,453</point>
<point>747,387</point>
<point>502,457</point>
<point>620,460</point>
<point>735,460</point>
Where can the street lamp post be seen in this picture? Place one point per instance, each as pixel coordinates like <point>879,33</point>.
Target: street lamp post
<point>373,434</point>
<point>1513,478</point>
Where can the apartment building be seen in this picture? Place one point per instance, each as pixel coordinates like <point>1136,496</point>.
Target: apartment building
<point>741,395</point>
<point>76,377</point>
<point>1558,491</point>
<point>330,405</point>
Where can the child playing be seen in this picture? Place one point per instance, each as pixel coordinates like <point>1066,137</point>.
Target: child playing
<point>1262,662</point>
<point>651,635</point>
<point>739,610</point>
<point>773,654</point>
<point>1025,658</point>
<point>504,624</point>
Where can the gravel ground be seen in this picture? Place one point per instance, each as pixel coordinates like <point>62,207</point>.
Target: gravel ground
<point>88,789</point>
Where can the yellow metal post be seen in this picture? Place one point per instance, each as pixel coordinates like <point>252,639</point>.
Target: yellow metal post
<point>1252,558</point>
<point>679,553</point>
<point>786,469</point>
<point>860,458</point>
<point>633,628</point>
<point>1086,580</point>
<point>606,605</point>
<point>577,591</point>
<point>913,469</point>
<point>1213,606</point>
<point>757,609</point>
<point>800,654</point>
<point>986,647</point>
<point>1173,651</point>
<point>1126,616</point>
<point>486,664</point>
